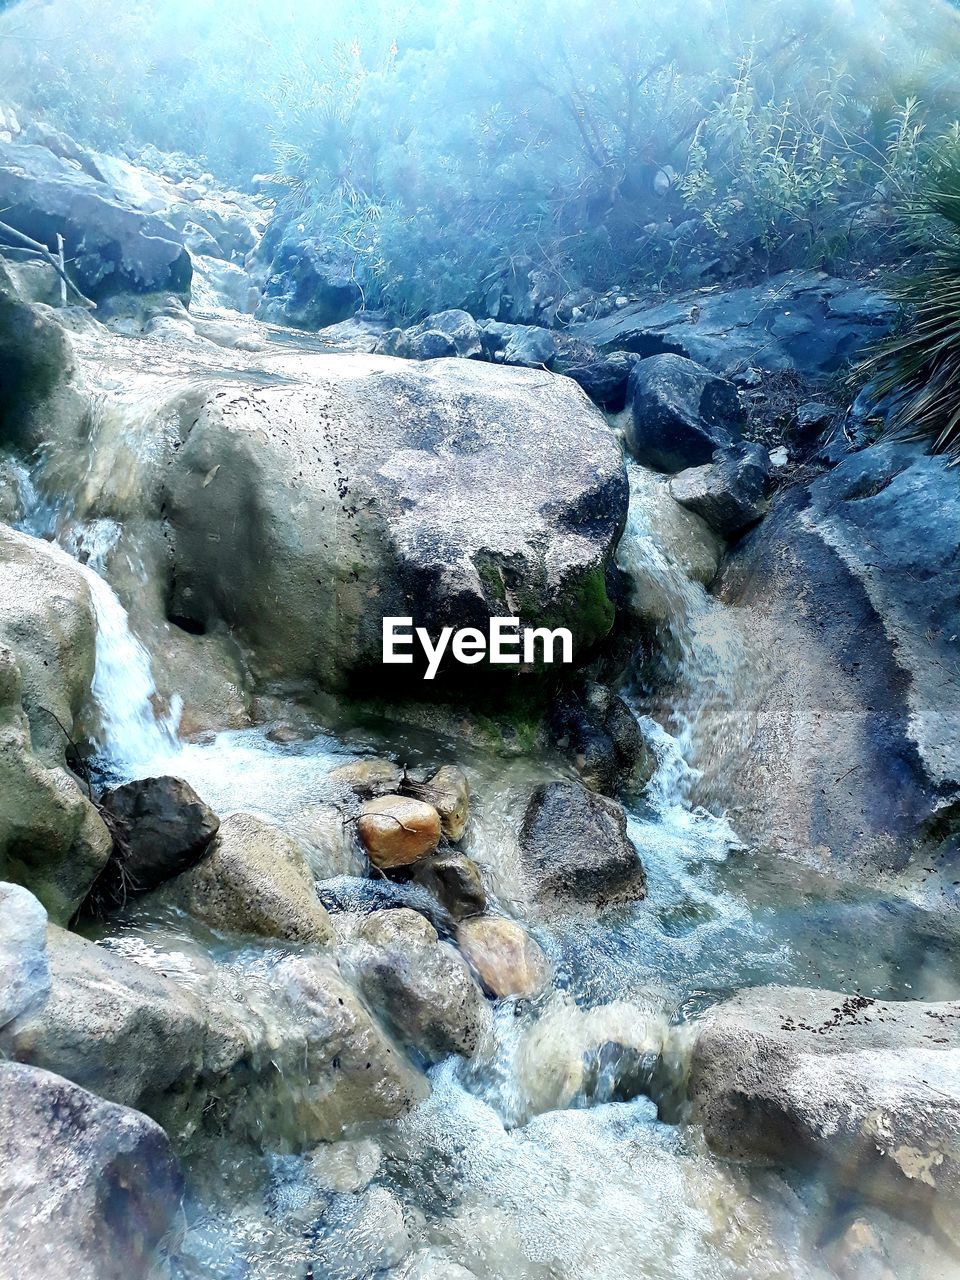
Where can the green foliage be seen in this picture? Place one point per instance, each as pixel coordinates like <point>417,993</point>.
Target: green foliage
<point>920,367</point>
<point>447,149</point>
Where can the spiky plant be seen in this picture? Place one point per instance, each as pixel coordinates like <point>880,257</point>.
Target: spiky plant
<point>919,368</point>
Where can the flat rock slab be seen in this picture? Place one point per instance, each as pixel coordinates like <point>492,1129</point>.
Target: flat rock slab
<point>802,320</point>
<point>871,1087</point>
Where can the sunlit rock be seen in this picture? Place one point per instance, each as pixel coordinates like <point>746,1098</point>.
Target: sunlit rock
<point>870,1087</point>
<point>255,878</point>
<point>368,777</point>
<point>397,830</point>
<point>505,958</point>
<point>24,972</point>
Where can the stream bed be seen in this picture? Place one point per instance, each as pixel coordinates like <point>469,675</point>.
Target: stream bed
<point>559,1152</point>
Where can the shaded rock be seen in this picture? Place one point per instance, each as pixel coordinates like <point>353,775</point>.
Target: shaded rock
<point>419,984</point>
<point>729,492</point>
<point>52,839</point>
<point>24,973</point>
<point>857,1253</point>
<point>310,284</point>
<point>36,366</point>
<point>519,344</point>
<point>802,320</point>
<point>362,895</point>
<point>89,1189</point>
<point>449,793</point>
<point>847,597</point>
<point>813,419</point>
<point>254,879</point>
<point>574,843</point>
<point>602,375</point>
<point>368,777</point>
<point>454,880</point>
<point>111,245</point>
<point>680,413</point>
<point>601,736</point>
<point>352,1073</point>
<point>163,827</point>
<point>503,955</point>
<point>869,1087</point>
<point>397,830</point>
<point>447,333</point>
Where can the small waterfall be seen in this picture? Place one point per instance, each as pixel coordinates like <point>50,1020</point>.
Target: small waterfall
<point>706,661</point>
<point>131,735</point>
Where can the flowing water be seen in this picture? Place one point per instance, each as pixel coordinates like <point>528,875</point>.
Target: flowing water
<point>558,1153</point>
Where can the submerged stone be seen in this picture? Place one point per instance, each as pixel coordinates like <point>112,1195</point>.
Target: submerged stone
<point>505,958</point>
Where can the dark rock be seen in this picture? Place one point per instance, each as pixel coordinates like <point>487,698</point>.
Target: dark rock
<point>522,344</point>
<point>871,1088</point>
<point>574,843</point>
<point>112,246</point>
<point>603,376</point>
<point>419,984</point>
<point>600,734</point>
<point>730,492</point>
<point>459,327</point>
<point>813,418</point>
<point>89,1188</point>
<point>454,880</point>
<point>356,895</point>
<point>161,828</point>
<point>800,320</point>
<point>35,365</point>
<point>310,286</point>
<point>847,596</point>
<point>680,413</point>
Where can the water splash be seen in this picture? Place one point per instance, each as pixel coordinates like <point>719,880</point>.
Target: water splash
<point>131,735</point>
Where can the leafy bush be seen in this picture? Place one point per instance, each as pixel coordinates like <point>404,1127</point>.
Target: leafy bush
<point>919,368</point>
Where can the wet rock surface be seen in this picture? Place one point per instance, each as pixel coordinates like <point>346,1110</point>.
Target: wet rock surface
<point>419,984</point>
<point>870,1086</point>
<point>506,959</point>
<point>575,845</point>
<point>255,878</point>
<point>730,492</point>
<point>89,1188</point>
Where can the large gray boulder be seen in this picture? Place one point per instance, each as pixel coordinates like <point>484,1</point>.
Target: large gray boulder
<point>801,320</point>
<point>88,1189</point>
<point>848,603</point>
<point>869,1087</point>
<point>680,413</point>
<point>52,839</point>
<point>450,491</point>
<point>574,844</point>
<point>112,246</point>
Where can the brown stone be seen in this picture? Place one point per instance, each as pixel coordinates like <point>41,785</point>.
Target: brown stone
<point>503,955</point>
<point>396,830</point>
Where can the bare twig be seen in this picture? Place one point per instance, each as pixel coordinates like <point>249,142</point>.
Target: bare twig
<point>47,256</point>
